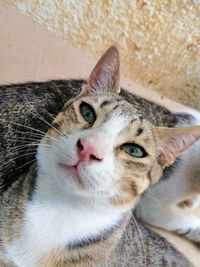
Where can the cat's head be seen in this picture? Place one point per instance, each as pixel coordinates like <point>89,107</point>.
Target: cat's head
<point>100,148</point>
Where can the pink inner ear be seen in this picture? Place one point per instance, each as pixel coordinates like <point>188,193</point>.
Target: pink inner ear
<point>173,148</point>
<point>105,75</point>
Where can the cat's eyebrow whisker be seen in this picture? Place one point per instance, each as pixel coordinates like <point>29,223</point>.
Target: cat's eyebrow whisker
<point>50,125</point>
<point>53,118</point>
<point>140,235</point>
<point>41,118</point>
<point>32,104</point>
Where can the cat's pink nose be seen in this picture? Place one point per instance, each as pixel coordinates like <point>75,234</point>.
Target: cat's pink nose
<point>88,151</point>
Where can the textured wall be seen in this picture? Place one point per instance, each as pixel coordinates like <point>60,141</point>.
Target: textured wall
<point>159,41</point>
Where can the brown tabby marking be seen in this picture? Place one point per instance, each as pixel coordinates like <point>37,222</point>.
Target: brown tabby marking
<point>134,182</point>
<point>131,190</point>
<point>17,195</point>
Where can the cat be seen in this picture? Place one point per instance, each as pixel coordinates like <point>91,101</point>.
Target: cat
<point>71,205</point>
<point>173,200</point>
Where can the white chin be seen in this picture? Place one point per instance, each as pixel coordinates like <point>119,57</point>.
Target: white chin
<point>70,181</point>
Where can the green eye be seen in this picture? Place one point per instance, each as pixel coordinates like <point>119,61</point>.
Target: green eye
<point>87,112</point>
<point>134,150</point>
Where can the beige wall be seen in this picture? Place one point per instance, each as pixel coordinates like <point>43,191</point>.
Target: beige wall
<point>159,41</point>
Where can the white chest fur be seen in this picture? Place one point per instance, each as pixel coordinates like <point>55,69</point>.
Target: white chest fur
<point>49,224</point>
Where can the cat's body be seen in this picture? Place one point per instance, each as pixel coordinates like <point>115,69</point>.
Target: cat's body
<point>47,221</point>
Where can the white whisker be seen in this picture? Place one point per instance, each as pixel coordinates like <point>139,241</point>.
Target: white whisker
<point>142,240</point>
<point>21,125</point>
<point>41,118</point>
<point>27,154</point>
<point>26,164</point>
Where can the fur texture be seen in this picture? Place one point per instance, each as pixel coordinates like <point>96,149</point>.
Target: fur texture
<point>74,206</point>
<point>174,199</point>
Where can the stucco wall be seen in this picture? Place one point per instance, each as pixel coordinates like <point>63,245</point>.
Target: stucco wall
<point>159,41</point>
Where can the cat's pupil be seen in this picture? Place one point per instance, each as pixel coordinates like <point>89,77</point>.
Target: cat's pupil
<point>87,112</point>
<point>134,150</point>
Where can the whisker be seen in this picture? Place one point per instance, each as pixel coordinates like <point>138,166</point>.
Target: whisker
<point>29,133</point>
<point>26,146</point>
<point>25,164</point>
<point>27,154</point>
<point>33,133</point>
<point>20,138</point>
<point>32,103</point>
<point>19,148</point>
<point>12,153</point>
<point>21,125</point>
<point>27,140</point>
<point>42,119</point>
<point>19,143</point>
<point>50,115</point>
<point>142,240</point>
<point>22,150</point>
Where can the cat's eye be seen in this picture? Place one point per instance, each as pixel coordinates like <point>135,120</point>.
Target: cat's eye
<point>87,112</point>
<point>134,150</point>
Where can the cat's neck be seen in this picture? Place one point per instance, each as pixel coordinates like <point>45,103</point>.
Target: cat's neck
<point>73,218</point>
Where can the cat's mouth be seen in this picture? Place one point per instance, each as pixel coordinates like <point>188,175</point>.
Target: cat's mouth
<point>73,170</point>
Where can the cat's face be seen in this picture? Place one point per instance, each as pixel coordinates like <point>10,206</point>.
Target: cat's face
<point>99,147</point>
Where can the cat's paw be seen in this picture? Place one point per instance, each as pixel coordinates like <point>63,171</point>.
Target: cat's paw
<point>191,203</point>
<point>191,234</point>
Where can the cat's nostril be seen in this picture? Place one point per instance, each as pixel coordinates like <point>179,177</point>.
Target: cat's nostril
<point>88,150</point>
<point>79,145</point>
<point>93,157</point>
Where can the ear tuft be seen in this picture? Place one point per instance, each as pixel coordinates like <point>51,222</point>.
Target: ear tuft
<point>174,141</point>
<point>105,75</point>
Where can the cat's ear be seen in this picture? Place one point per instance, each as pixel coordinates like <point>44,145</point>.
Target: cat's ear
<point>172,142</point>
<point>105,75</point>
